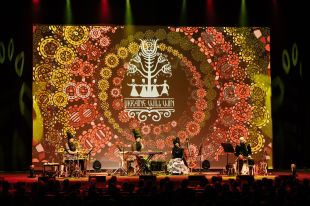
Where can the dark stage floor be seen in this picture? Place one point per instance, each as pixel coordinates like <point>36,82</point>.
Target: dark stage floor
<point>14,177</point>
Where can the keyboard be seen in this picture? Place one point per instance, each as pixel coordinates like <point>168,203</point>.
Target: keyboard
<point>142,152</point>
<point>51,163</point>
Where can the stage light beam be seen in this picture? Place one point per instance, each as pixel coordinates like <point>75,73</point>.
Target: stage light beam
<point>68,12</point>
<point>183,19</point>
<point>243,14</point>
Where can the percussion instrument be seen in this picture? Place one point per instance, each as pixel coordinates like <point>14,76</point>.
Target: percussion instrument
<point>141,164</point>
<point>247,166</point>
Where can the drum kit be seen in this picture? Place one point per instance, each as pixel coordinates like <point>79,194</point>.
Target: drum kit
<point>74,165</point>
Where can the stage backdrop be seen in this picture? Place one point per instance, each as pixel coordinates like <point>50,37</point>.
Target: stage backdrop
<point>206,85</point>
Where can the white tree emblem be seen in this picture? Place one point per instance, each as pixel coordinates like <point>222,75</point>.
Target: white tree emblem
<point>149,63</point>
<point>144,96</point>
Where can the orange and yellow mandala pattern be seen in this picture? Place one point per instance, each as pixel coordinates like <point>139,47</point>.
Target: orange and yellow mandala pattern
<point>80,82</point>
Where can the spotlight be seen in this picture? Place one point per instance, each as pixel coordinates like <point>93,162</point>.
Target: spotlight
<point>97,166</point>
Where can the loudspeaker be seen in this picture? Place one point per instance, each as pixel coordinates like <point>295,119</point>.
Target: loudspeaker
<point>248,178</point>
<point>196,179</point>
<point>157,165</point>
<point>147,177</point>
<point>286,177</point>
<point>45,178</point>
<point>98,178</point>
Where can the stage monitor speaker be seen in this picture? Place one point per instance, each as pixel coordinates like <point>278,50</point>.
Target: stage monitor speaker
<point>98,178</point>
<point>157,166</point>
<point>286,177</point>
<point>45,178</point>
<point>248,178</point>
<point>148,178</point>
<point>196,179</point>
<point>97,166</point>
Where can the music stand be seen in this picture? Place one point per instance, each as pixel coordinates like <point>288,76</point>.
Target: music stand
<point>228,148</point>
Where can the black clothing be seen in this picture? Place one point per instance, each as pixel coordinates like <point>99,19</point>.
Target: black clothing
<point>137,146</point>
<point>72,146</point>
<point>245,151</point>
<point>242,149</point>
<point>178,152</point>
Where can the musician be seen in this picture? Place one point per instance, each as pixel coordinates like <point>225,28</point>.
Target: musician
<point>71,145</point>
<point>178,164</point>
<point>137,145</point>
<point>178,151</point>
<point>243,153</point>
<point>72,148</point>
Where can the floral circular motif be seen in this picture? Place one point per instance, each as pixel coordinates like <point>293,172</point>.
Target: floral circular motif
<point>260,116</point>
<point>226,117</point>
<point>95,33</point>
<point>105,41</point>
<point>83,90</point>
<point>43,98</point>
<point>111,60</point>
<point>106,73</point>
<point>69,89</point>
<point>60,78</point>
<point>256,139</point>
<point>76,35</point>
<point>65,55</point>
<point>237,131</point>
<point>60,99</point>
<point>43,73</point>
<point>48,47</point>
<point>242,111</point>
<point>76,66</point>
<point>86,70</point>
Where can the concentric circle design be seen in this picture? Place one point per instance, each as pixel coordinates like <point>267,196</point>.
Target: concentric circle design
<point>65,55</point>
<point>220,83</point>
<point>76,35</point>
<point>48,47</point>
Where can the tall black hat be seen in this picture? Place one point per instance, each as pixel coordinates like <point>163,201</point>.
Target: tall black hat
<point>176,140</point>
<point>69,135</point>
<point>136,134</point>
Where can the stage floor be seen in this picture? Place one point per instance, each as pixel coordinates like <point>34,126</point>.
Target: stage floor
<point>13,177</point>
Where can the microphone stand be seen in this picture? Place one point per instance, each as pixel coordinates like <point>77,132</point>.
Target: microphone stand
<point>121,168</point>
<point>201,154</point>
<point>189,152</point>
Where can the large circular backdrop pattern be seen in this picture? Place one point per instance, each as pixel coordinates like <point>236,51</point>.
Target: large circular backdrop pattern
<point>215,82</point>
